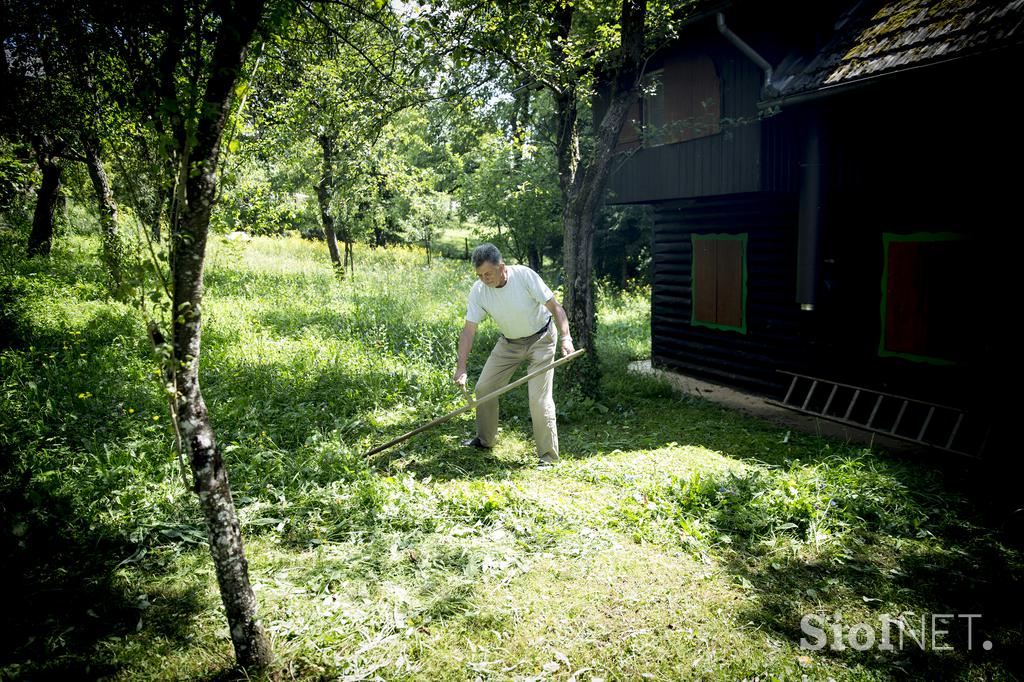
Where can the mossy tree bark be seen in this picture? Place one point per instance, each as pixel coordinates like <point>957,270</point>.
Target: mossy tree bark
<point>40,239</point>
<point>190,226</point>
<point>113,248</point>
<point>583,184</point>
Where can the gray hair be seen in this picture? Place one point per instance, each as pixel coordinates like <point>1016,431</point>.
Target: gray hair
<point>486,252</point>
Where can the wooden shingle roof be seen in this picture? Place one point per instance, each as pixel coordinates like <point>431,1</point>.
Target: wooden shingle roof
<point>872,39</point>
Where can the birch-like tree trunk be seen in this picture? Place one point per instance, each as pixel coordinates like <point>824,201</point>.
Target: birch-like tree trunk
<point>190,226</point>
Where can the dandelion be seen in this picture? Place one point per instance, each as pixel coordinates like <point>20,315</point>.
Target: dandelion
<point>156,417</point>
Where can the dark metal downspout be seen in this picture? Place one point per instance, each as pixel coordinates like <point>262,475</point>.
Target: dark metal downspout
<point>809,219</point>
<point>745,49</point>
<point>809,226</point>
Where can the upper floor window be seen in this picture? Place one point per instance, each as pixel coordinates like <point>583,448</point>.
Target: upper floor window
<point>678,102</point>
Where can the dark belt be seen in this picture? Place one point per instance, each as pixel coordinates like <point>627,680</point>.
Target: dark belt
<point>527,340</point>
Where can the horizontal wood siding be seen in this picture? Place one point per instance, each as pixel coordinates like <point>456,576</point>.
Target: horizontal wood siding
<point>727,162</point>
<point>782,141</point>
<point>931,175</point>
<point>899,157</point>
<point>774,326</point>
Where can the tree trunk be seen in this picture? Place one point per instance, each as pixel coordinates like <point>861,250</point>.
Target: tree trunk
<point>583,184</point>
<point>533,257</point>
<point>350,259</point>
<point>190,227</point>
<point>40,240</point>
<point>324,192</point>
<point>578,255</point>
<point>113,248</point>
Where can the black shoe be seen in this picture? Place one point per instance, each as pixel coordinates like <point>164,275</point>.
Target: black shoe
<point>475,443</point>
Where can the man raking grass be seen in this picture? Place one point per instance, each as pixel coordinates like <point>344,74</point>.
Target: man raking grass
<point>523,308</point>
<point>471,403</point>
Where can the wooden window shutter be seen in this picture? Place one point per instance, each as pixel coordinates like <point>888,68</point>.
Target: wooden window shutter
<point>692,100</point>
<point>705,274</point>
<point>719,281</point>
<point>653,104</point>
<point>729,311</point>
<point>904,328</point>
<point>927,294</point>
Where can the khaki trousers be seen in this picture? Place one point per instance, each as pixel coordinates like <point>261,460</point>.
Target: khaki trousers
<point>501,364</point>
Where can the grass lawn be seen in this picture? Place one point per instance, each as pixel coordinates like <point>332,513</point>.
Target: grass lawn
<point>675,539</point>
<point>455,242</point>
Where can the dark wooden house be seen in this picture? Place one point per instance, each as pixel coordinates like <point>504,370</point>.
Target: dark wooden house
<point>836,189</point>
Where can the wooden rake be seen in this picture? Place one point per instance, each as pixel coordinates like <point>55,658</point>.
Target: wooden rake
<point>471,404</point>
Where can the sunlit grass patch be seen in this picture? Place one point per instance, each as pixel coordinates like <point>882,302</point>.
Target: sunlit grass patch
<point>674,539</point>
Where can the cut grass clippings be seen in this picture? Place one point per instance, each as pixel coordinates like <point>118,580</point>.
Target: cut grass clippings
<point>675,539</point>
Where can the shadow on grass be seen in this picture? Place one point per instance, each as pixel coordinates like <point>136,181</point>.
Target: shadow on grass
<point>940,552</point>
<point>918,539</point>
<point>440,455</point>
<point>64,602</point>
<point>914,587</point>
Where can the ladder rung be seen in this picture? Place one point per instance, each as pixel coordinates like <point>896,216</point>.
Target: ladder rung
<point>874,411</point>
<point>984,442</point>
<point>853,401</point>
<point>809,394</point>
<point>899,417</point>
<point>792,387</point>
<point>927,421</point>
<point>956,428</point>
<point>828,403</point>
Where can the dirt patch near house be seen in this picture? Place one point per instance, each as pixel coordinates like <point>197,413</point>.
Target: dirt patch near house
<point>757,406</point>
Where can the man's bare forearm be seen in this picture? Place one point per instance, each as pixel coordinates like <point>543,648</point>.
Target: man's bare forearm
<point>555,308</point>
<point>465,345</point>
<point>562,321</point>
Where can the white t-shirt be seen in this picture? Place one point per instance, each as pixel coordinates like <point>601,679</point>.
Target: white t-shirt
<point>517,308</point>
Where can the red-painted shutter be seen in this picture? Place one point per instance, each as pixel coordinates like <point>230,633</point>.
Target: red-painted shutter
<point>905,331</point>
<point>927,297</point>
<point>705,289</point>
<point>730,283</point>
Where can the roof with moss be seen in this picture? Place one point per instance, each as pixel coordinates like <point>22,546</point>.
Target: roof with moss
<point>872,39</point>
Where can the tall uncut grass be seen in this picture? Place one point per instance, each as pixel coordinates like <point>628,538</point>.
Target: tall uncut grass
<point>675,540</point>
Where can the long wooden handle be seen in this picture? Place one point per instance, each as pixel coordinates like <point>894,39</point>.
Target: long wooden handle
<point>472,405</point>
